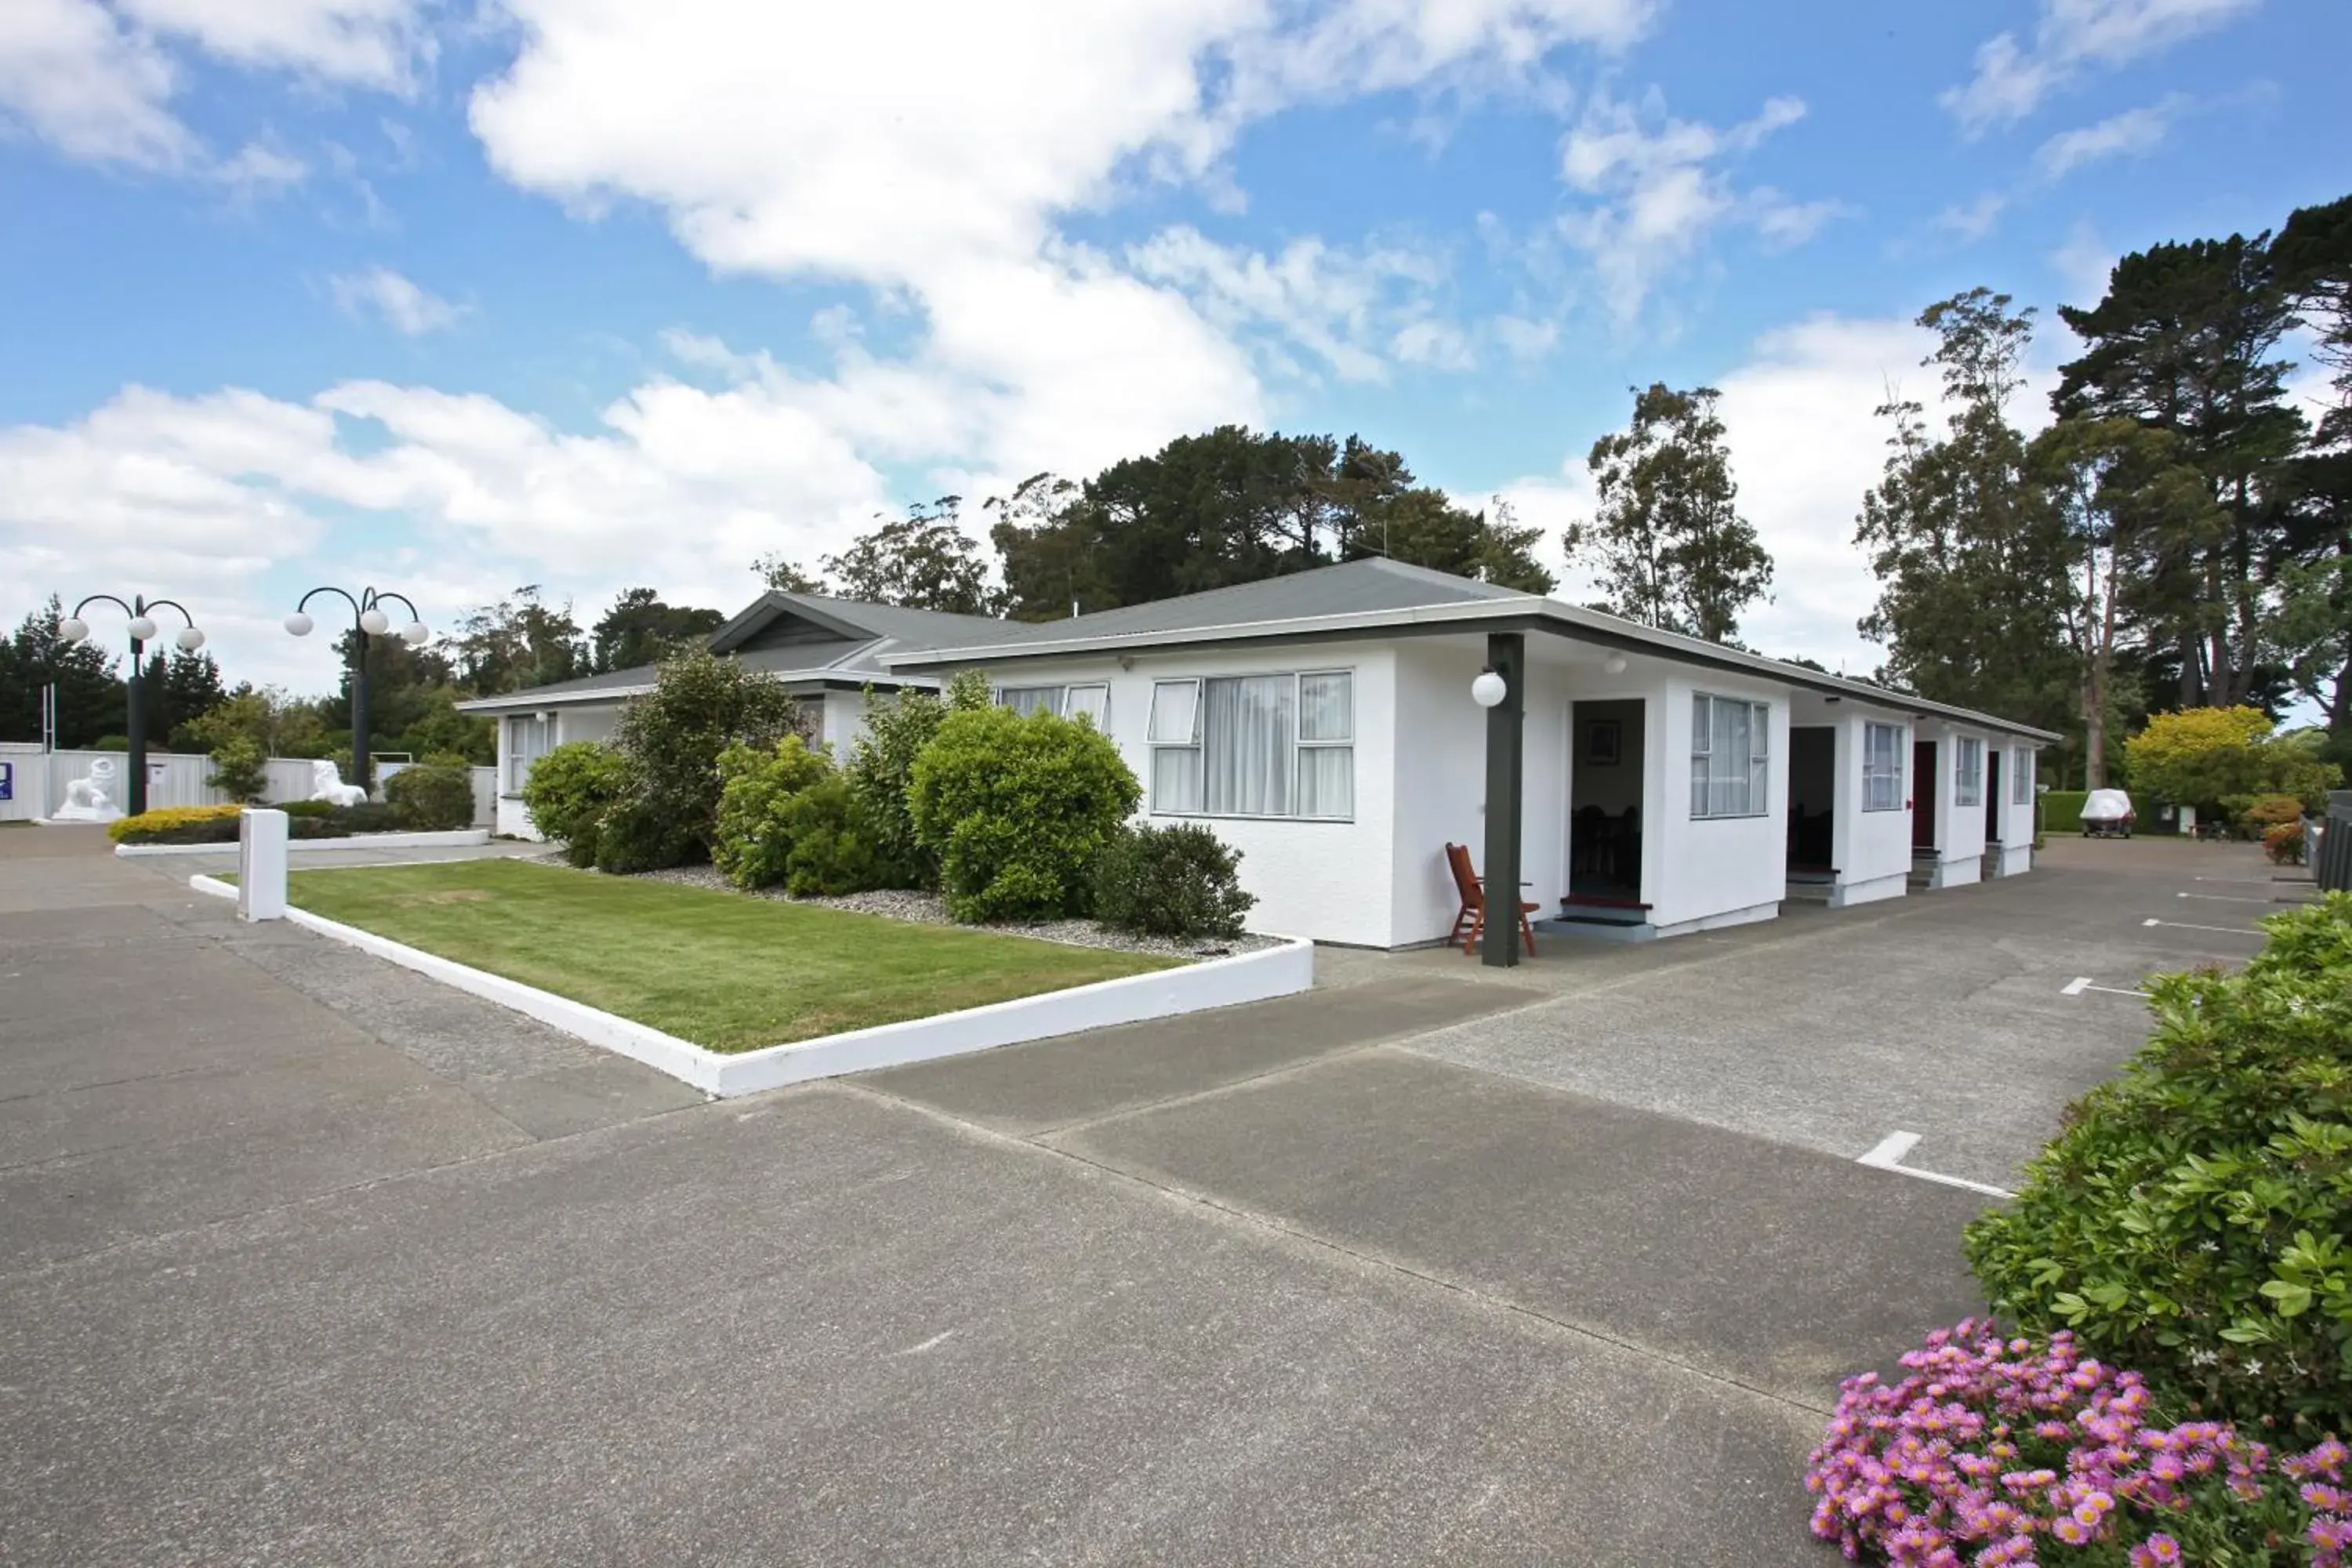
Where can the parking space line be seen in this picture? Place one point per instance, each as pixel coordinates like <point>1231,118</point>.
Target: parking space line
<point>2081,982</point>
<point>2242,881</point>
<point>2226,899</point>
<point>2184,925</point>
<point>1888,1156</point>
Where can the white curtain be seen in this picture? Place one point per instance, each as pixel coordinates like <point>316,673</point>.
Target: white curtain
<point>1724,757</point>
<point>1327,766</point>
<point>1027,699</point>
<point>1246,743</point>
<point>1088,701</point>
<point>1882,767</point>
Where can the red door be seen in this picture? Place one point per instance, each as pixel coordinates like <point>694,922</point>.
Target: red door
<point>1922,794</point>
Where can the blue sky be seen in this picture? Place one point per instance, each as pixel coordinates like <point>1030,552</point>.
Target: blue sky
<point>450,297</point>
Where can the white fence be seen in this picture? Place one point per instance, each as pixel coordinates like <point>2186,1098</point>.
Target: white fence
<point>36,781</point>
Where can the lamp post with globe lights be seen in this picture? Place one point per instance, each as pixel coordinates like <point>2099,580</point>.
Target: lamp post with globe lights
<point>73,629</point>
<point>368,619</point>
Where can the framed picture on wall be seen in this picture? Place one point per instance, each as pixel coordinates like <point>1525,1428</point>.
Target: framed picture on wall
<point>1601,738</point>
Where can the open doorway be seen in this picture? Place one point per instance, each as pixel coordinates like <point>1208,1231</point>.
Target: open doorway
<point>1925,789</point>
<point>1604,831</point>
<point>1992,794</point>
<point>1812,801</point>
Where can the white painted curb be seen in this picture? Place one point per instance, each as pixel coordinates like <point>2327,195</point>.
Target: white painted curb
<point>1216,982</point>
<point>456,839</point>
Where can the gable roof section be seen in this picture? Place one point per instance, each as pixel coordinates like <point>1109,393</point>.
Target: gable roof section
<point>852,620</point>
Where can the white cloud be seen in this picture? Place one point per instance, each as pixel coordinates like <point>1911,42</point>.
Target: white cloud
<point>2083,264</point>
<point>2135,133</point>
<point>1974,221</point>
<point>2011,79</point>
<point>97,83</point>
<point>1660,194</point>
<point>257,169</point>
<point>400,303</point>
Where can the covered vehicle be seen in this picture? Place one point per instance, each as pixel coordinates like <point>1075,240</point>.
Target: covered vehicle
<point>2106,814</point>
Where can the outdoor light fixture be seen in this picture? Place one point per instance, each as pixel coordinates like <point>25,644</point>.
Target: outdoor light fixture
<point>1487,690</point>
<point>1614,664</point>
<point>142,629</point>
<point>368,620</point>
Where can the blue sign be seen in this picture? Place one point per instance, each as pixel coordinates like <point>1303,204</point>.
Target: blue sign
<point>7,781</point>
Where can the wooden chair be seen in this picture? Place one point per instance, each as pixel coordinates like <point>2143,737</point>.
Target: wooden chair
<point>1470,922</point>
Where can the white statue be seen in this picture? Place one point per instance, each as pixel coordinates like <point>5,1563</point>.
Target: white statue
<point>86,799</point>
<point>327,784</point>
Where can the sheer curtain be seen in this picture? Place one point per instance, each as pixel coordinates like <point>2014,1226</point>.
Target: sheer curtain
<point>1174,725</point>
<point>1247,745</point>
<point>1026,700</point>
<point>1326,759</point>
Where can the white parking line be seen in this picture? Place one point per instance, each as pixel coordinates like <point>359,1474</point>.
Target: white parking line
<point>2081,982</point>
<point>1888,1156</point>
<point>2226,899</point>
<point>2184,925</point>
<point>2242,881</point>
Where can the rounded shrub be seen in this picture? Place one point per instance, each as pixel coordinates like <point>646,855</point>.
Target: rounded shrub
<point>831,837</point>
<point>436,795</point>
<point>1179,880</point>
<point>1018,808</point>
<point>672,737</point>
<point>2194,1218</point>
<point>178,825</point>
<point>751,843</point>
<point>569,790</point>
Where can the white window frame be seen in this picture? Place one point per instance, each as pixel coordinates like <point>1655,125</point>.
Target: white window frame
<point>1968,771</point>
<point>1060,706</point>
<point>1893,775</point>
<point>1197,740</point>
<point>516,768</point>
<point>1759,757</point>
<point>2020,775</point>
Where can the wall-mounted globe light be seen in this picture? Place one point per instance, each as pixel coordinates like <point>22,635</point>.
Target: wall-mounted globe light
<point>1487,690</point>
<point>1614,664</point>
<point>300,624</point>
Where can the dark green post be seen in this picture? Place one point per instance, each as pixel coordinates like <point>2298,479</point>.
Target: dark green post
<point>1506,656</point>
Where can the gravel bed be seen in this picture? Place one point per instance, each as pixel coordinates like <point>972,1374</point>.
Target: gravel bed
<point>929,909</point>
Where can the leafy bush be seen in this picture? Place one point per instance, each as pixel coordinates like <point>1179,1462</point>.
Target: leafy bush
<point>633,836</point>
<point>568,792</point>
<point>881,771</point>
<point>1170,881</point>
<point>307,807</point>
<point>111,744</point>
<point>178,825</point>
<point>436,795</point>
<point>672,736</point>
<point>751,844</point>
<point>2062,810</point>
<point>239,769</point>
<point>2009,1451</point>
<point>832,839</point>
<point>2191,1219</point>
<point>368,816</point>
<point>2284,843</point>
<point>2225,758</point>
<point>1018,808</point>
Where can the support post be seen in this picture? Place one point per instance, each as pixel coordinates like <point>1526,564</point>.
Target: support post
<point>1506,656</point>
<point>363,770</point>
<point>134,725</point>
<point>261,865</point>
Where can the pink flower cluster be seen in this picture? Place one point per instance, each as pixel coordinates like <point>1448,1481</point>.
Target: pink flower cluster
<point>1993,1452</point>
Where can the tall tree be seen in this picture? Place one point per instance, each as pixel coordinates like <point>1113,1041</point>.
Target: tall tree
<point>641,629</point>
<point>179,688</point>
<point>1668,543</point>
<point>782,574</point>
<point>2184,342</point>
<point>1974,564</point>
<point>1422,527</point>
<point>90,693</point>
<point>2314,254</point>
<point>924,561</point>
<point>505,647</point>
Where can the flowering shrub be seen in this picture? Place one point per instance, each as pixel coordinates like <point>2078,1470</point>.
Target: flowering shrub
<point>1996,1451</point>
<point>2283,842</point>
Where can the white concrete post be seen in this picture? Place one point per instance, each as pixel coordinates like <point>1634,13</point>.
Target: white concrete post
<point>261,865</point>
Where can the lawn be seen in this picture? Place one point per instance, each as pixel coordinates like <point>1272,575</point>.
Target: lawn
<point>724,970</point>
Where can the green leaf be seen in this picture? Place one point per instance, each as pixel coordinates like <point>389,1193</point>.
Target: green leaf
<point>2292,1298</point>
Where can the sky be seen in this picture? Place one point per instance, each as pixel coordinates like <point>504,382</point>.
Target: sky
<point>445,297</point>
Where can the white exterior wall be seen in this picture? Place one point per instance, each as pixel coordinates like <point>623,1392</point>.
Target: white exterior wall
<point>2011,850</point>
<point>579,722</point>
<point>1872,849</point>
<point>1331,881</point>
<point>841,719</point>
<point>1960,829</point>
<point>1699,872</point>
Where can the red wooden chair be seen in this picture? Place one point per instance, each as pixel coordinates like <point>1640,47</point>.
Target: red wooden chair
<point>1470,923</point>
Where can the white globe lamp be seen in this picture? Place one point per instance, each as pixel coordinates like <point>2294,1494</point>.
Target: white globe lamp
<point>415,633</point>
<point>190,639</point>
<point>1614,664</point>
<point>73,629</point>
<point>142,628</point>
<point>1487,690</point>
<point>300,624</point>
<point>374,621</point>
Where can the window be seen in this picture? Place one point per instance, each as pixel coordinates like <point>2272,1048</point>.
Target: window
<point>1255,746</point>
<point>1730,748</point>
<point>2020,776</point>
<point>1968,772</point>
<point>530,736</point>
<point>1092,701</point>
<point>1882,767</point>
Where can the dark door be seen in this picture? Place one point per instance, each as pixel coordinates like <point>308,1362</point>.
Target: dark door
<point>1992,794</point>
<point>1922,794</point>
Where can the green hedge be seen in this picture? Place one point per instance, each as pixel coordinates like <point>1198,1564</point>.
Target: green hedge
<point>2062,810</point>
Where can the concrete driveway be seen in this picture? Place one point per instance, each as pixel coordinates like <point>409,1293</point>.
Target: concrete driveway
<point>303,1259</point>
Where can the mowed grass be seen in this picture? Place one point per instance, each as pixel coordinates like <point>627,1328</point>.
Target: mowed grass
<point>724,970</point>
